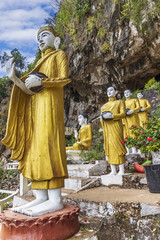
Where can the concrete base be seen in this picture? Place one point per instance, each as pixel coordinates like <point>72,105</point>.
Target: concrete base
<point>74,155</point>
<point>108,180</point>
<point>58,225</point>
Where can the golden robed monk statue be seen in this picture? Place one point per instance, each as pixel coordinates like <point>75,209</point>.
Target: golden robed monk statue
<point>35,128</point>
<point>145,106</point>
<point>111,119</point>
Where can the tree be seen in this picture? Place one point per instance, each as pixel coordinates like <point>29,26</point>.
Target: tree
<point>20,61</point>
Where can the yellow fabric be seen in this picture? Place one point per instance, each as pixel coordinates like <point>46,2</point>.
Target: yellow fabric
<point>143,116</point>
<point>85,137</point>
<point>132,104</point>
<point>113,131</point>
<point>48,184</point>
<point>35,127</point>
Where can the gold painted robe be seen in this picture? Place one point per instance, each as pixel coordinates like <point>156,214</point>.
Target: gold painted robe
<point>35,129</point>
<point>143,116</point>
<point>129,120</point>
<point>85,137</point>
<point>113,131</point>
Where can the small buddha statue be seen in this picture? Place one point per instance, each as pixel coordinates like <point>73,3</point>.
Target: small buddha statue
<point>84,137</point>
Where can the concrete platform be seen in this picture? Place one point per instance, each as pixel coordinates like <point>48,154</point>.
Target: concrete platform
<point>114,194</point>
<point>105,201</point>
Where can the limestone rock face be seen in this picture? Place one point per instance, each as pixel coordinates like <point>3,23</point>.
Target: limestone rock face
<point>129,61</point>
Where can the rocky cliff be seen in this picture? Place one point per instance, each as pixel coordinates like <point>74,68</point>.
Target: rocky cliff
<point>107,49</point>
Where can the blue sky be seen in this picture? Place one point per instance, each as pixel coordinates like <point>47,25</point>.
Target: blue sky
<point>19,23</point>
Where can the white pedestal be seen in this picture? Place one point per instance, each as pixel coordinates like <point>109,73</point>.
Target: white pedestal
<point>108,180</point>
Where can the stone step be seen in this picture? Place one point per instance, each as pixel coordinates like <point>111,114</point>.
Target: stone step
<point>76,183</point>
<point>80,166</point>
<point>79,173</point>
<point>87,170</point>
<point>66,192</point>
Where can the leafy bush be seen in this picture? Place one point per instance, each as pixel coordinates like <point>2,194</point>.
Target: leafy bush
<point>149,84</point>
<point>141,12</point>
<point>70,141</point>
<point>146,137</point>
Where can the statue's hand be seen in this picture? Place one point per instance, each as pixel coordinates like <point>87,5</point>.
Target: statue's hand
<point>75,134</point>
<point>33,81</point>
<point>10,69</point>
<point>129,112</point>
<point>142,109</point>
<point>107,116</point>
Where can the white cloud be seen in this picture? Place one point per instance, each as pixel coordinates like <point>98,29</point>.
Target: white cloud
<point>10,4</point>
<point>16,36</point>
<point>20,21</point>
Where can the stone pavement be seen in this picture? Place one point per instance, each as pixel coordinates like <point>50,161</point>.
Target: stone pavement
<point>114,194</point>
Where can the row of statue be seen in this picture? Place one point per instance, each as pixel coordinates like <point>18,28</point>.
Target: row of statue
<point>35,127</point>
<point>117,116</point>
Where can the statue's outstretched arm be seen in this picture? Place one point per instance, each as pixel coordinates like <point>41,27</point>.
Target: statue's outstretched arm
<point>10,72</point>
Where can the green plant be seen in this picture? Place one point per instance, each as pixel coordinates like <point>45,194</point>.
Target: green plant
<point>70,14</point>
<point>10,172</point>
<point>96,152</point>
<point>5,82</point>
<point>141,12</point>
<point>146,137</point>
<point>92,154</point>
<point>101,32</point>
<point>1,171</point>
<point>70,141</point>
<point>3,120</point>
<point>3,195</point>
<point>149,83</point>
<point>106,46</point>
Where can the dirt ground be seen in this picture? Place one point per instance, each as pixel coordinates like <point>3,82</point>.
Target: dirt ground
<point>116,194</point>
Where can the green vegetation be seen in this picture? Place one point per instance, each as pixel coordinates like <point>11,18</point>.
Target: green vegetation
<point>70,14</point>
<point>5,82</point>
<point>96,152</point>
<point>2,171</point>
<point>70,141</point>
<point>152,84</point>
<point>19,59</point>
<point>78,14</point>
<point>3,120</point>
<point>141,12</point>
<point>146,137</point>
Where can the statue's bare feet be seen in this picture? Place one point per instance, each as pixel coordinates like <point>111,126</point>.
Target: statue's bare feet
<point>45,207</point>
<point>41,196</point>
